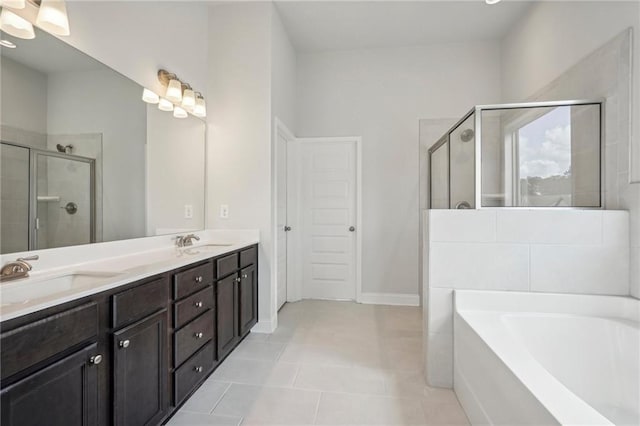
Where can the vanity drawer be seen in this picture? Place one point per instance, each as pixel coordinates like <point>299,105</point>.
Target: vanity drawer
<point>193,372</point>
<point>192,337</point>
<point>189,308</point>
<point>248,257</point>
<point>192,280</point>
<point>226,265</point>
<point>30,344</point>
<point>138,302</point>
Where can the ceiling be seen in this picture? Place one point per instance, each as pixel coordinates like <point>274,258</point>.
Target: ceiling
<point>315,26</point>
<point>47,54</point>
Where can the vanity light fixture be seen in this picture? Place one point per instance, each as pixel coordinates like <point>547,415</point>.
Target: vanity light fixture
<point>492,1</point>
<point>188,99</point>
<point>15,25</point>
<point>52,17</point>
<point>7,43</point>
<point>150,97</point>
<point>14,4</point>
<point>200,109</point>
<point>179,112</point>
<point>174,91</point>
<point>165,105</point>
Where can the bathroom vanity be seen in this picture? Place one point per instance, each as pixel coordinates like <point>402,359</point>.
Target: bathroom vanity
<point>133,353</point>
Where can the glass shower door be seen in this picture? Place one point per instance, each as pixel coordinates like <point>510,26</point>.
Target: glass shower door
<point>462,170</point>
<point>14,198</point>
<point>64,200</point>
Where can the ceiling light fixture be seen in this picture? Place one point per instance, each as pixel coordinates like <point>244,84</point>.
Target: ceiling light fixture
<point>492,1</point>
<point>7,43</point>
<point>150,97</point>
<point>174,91</point>
<point>52,17</point>
<point>15,25</point>
<point>165,105</point>
<point>188,99</point>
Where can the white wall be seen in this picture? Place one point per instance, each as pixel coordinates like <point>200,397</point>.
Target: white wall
<point>149,35</point>
<point>563,251</point>
<point>283,74</point>
<point>239,130</point>
<point>551,38</point>
<point>117,113</point>
<point>24,97</point>
<point>175,172</point>
<point>381,94</point>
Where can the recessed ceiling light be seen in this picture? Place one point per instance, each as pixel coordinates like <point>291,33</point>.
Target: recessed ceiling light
<point>492,1</point>
<point>7,43</point>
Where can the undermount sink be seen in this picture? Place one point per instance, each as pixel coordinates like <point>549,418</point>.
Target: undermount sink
<point>193,250</point>
<point>24,291</point>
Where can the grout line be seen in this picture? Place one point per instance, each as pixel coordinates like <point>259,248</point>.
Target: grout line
<point>315,416</point>
<point>221,396</point>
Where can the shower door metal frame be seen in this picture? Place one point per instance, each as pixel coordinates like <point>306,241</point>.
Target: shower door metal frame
<point>478,109</point>
<point>33,189</point>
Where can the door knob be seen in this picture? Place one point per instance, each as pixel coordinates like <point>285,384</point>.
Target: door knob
<point>287,228</point>
<point>352,229</point>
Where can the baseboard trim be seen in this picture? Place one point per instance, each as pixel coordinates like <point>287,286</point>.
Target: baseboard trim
<point>264,326</point>
<point>390,299</point>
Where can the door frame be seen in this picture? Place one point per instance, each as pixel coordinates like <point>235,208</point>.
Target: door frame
<point>279,128</point>
<point>294,271</point>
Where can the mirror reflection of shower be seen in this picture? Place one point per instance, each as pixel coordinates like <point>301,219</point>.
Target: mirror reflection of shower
<point>467,135</point>
<point>65,149</point>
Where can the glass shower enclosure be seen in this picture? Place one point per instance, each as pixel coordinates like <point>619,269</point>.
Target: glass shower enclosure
<point>541,154</point>
<point>47,198</point>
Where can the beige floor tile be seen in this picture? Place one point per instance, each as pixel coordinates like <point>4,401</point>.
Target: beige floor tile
<point>444,413</point>
<point>347,409</point>
<point>206,397</point>
<point>257,350</point>
<point>188,418</point>
<point>246,371</point>
<point>269,405</point>
<point>340,379</point>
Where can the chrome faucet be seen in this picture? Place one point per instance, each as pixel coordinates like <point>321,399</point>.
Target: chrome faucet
<point>17,269</point>
<point>187,240</point>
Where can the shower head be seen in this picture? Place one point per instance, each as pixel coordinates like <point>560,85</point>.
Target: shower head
<point>467,135</point>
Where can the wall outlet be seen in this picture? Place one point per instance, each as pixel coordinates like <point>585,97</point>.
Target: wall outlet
<point>224,211</point>
<point>188,211</point>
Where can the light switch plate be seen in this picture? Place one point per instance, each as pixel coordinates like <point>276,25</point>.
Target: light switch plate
<point>188,211</point>
<point>224,211</point>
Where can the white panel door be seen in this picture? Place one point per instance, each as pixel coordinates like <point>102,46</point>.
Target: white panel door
<point>327,218</point>
<point>281,217</point>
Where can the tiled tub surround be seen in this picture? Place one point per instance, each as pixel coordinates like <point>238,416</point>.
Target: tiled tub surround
<point>532,359</point>
<point>527,250</point>
<point>107,266</point>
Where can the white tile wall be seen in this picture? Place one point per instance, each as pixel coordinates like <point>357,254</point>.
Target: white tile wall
<point>564,251</point>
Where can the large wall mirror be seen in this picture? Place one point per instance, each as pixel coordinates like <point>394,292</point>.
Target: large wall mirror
<point>84,159</point>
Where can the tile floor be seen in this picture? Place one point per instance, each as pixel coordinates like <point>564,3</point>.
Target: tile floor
<point>328,363</point>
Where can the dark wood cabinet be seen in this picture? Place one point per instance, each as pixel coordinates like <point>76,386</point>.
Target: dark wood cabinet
<point>227,309</point>
<point>64,393</point>
<point>129,356</point>
<point>140,371</point>
<point>247,299</point>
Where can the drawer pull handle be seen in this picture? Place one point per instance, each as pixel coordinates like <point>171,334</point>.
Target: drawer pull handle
<point>198,335</point>
<point>96,359</point>
<point>198,369</point>
<point>199,279</point>
<point>198,304</point>
<point>124,344</point>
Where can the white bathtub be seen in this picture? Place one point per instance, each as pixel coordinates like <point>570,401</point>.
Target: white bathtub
<point>542,359</point>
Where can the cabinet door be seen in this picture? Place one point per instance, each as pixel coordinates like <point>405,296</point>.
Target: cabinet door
<point>140,371</point>
<point>248,299</point>
<point>227,311</point>
<point>64,393</point>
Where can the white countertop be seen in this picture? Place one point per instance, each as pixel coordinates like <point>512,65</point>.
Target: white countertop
<point>97,269</point>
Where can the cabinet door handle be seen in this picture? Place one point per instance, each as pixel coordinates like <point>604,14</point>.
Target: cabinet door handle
<point>238,280</point>
<point>198,369</point>
<point>198,335</point>
<point>198,304</point>
<point>95,360</point>
<point>245,276</point>
<point>199,279</point>
<point>124,344</point>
